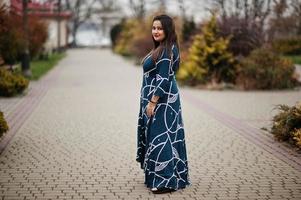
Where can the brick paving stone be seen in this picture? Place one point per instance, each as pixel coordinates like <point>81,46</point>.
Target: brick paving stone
<point>80,140</point>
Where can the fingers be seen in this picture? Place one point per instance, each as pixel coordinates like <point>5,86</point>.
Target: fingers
<point>152,111</point>
<point>149,110</point>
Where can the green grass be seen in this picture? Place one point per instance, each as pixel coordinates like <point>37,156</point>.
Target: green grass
<point>41,67</point>
<point>296,59</point>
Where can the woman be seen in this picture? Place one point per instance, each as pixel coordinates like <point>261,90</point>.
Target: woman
<point>161,143</point>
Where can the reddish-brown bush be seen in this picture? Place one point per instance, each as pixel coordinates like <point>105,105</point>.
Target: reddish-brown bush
<point>245,35</point>
<point>38,34</point>
<point>12,36</point>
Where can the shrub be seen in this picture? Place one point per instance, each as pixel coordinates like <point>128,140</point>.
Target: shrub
<point>208,58</point>
<point>288,46</point>
<point>244,35</point>
<point>287,124</point>
<point>193,71</point>
<point>264,69</point>
<point>38,34</point>
<point>142,43</point>
<point>115,32</point>
<point>11,37</point>
<point>3,124</point>
<point>11,84</point>
<point>297,137</point>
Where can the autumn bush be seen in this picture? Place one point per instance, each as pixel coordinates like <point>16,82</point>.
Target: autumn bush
<point>263,69</point>
<point>11,84</point>
<point>3,124</point>
<point>288,46</point>
<point>125,39</point>
<point>287,124</point>
<point>142,43</point>
<point>245,35</point>
<point>38,34</point>
<point>12,37</point>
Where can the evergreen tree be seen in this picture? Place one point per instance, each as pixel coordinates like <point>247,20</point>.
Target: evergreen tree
<point>191,72</point>
<point>188,29</point>
<point>208,58</point>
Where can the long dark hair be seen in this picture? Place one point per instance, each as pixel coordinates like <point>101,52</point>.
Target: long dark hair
<point>170,37</point>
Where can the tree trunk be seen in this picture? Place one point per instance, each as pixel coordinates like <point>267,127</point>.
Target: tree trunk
<point>74,32</point>
<point>25,64</point>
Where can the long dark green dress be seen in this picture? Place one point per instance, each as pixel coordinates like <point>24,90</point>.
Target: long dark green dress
<point>161,142</point>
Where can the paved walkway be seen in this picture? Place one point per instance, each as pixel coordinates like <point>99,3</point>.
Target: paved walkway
<point>76,138</point>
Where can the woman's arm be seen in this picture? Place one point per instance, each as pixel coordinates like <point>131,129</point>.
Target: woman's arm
<point>162,77</point>
<point>162,82</point>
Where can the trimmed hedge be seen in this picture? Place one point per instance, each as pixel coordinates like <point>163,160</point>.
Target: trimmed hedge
<point>11,84</point>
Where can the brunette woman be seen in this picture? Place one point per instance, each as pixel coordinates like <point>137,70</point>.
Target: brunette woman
<point>161,142</point>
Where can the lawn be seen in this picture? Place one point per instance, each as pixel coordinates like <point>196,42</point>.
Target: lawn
<point>41,67</point>
<point>296,59</point>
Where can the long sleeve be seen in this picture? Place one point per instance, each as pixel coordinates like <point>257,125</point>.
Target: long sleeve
<point>163,66</point>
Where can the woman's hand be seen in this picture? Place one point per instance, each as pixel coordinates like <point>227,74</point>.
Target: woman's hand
<point>150,108</point>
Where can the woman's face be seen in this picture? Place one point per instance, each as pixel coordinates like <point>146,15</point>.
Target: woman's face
<point>157,31</point>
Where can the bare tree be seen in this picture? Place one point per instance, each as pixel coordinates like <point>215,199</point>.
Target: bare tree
<point>81,10</point>
<point>238,7</point>
<point>25,63</point>
<point>253,10</point>
<point>280,7</point>
<point>246,9</point>
<point>296,5</point>
<point>162,5</point>
<point>286,19</point>
<point>84,10</point>
<point>138,8</point>
<point>182,8</point>
<point>261,10</point>
<point>218,5</point>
